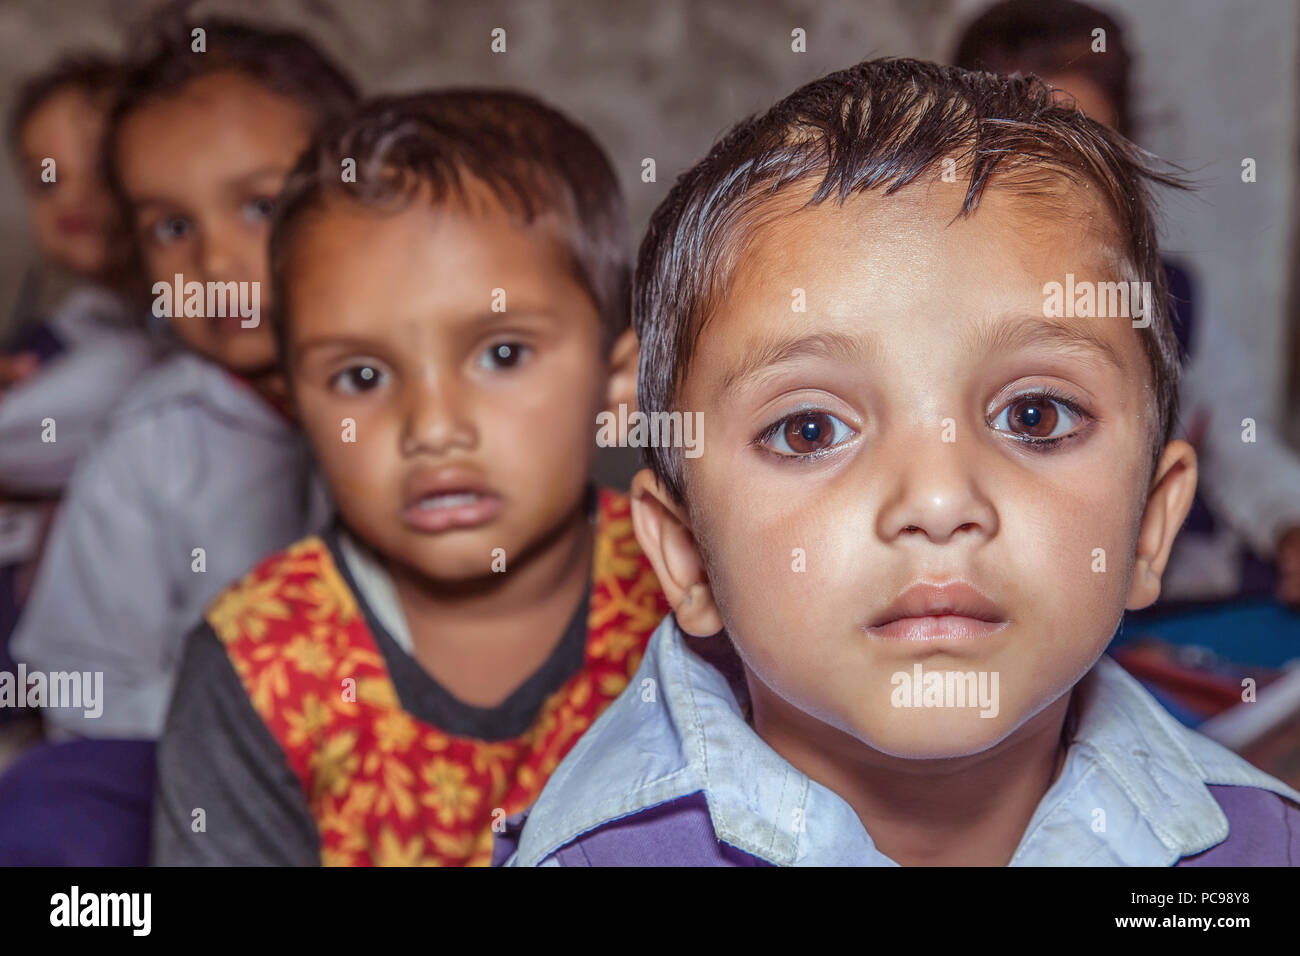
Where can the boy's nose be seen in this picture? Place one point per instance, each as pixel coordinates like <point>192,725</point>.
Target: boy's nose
<point>436,418</point>
<point>936,494</point>
<point>220,258</point>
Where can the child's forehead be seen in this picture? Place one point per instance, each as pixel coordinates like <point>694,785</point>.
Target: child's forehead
<point>917,242</point>
<point>218,130</point>
<point>476,216</point>
<point>458,257</point>
<point>223,100</point>
<point>66,104</point>
<point>888,269</point>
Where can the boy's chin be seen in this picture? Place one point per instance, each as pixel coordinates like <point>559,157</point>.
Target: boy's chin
<point>246,358</point>
<point>459,557</point>
<point>937,734</point>
<point>82,261</point>
<point>251,353</point>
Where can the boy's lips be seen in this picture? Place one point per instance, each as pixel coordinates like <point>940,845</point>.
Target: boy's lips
<point>928,612</point>
<point>447,499</point>
<point>75,224</point>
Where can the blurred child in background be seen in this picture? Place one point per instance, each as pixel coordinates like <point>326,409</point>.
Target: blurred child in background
<point>69,353</point>
<point>201,470</point>
<point>453,322</point>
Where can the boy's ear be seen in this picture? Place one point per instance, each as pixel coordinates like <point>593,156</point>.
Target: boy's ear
<point>666,538</point>
<point>623,357</point>
<point>1172,490</point>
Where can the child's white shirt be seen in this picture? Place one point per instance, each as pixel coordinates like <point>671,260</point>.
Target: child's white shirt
<point>191,459</point>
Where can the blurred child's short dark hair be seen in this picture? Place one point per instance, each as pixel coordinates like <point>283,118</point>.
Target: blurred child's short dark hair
<point>533,159</point>
<point>1051,36</point>
<point>93,74</point>
<point>882,124</point>
<point>166,62</point>
<point>281,60</point>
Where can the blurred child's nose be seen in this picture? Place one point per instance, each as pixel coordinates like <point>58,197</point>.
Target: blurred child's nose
<point>436,416</point>
<point>223,256</point>
<point>934,491</point>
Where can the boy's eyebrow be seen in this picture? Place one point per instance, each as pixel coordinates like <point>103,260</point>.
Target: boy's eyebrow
<point>144,202</point>
<point>1007,335</point>
<point>774,351</point>
<point>346,340</point>
<point>238,183</point>
<point>1021,331</point>
<point>270,169</point>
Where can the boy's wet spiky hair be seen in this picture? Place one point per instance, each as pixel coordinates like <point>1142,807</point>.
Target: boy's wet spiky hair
<point>881,125</point>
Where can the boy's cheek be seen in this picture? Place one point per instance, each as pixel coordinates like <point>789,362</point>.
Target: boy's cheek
<point>547,432</point>
<point>345,442</point>
<point>798,624</point>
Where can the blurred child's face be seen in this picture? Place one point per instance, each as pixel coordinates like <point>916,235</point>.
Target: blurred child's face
<point>70,216</point>
<point>921,422</point>
<point>473,428</point>
<point>202,169</point>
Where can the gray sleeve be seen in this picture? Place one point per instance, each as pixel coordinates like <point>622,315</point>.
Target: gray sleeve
<point>74,390</point>
<point>216,755</point>
<point>103,599</point>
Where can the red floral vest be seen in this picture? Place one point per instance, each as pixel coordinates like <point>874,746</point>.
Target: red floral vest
<point>384,787</point>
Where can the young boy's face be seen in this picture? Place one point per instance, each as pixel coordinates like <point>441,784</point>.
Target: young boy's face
<point>881,439</point>
<point>467,357</point>
<point>68,206</point>
<point>202,169</point>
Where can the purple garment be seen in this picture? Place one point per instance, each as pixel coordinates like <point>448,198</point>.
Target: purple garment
<point>81,803</point>
<point>1264,830</point>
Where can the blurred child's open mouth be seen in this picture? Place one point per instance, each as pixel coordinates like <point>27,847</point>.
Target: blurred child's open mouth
<point>927,612</point>
<point>448,500</point>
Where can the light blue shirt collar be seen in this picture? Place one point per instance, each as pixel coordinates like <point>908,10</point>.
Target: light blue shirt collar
<point>1132,791</point>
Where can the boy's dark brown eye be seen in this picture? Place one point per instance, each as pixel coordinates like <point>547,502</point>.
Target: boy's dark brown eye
<point>1033,417</point>
<point>503,355</point>
<point>808,433</point>
<point>805,434</point>
<point>357,379</point>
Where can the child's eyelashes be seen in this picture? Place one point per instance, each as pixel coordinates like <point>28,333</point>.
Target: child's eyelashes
<point>364,375</point>
<point>806,434</point>
<point>357,379</point>
<point>258,209</point>
<point>503,355</point>
<point>170,230</point>
<point>1040,419</point>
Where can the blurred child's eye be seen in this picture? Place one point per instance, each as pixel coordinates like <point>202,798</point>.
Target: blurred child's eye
<point>357,379</point>
<point>258,209</point>
<point>1039,418</point>
<point>170,230</point>
<point>805,434</point>
<point>503,355</point>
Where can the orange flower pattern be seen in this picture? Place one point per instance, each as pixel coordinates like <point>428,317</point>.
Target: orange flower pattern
<point>385,788</point>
